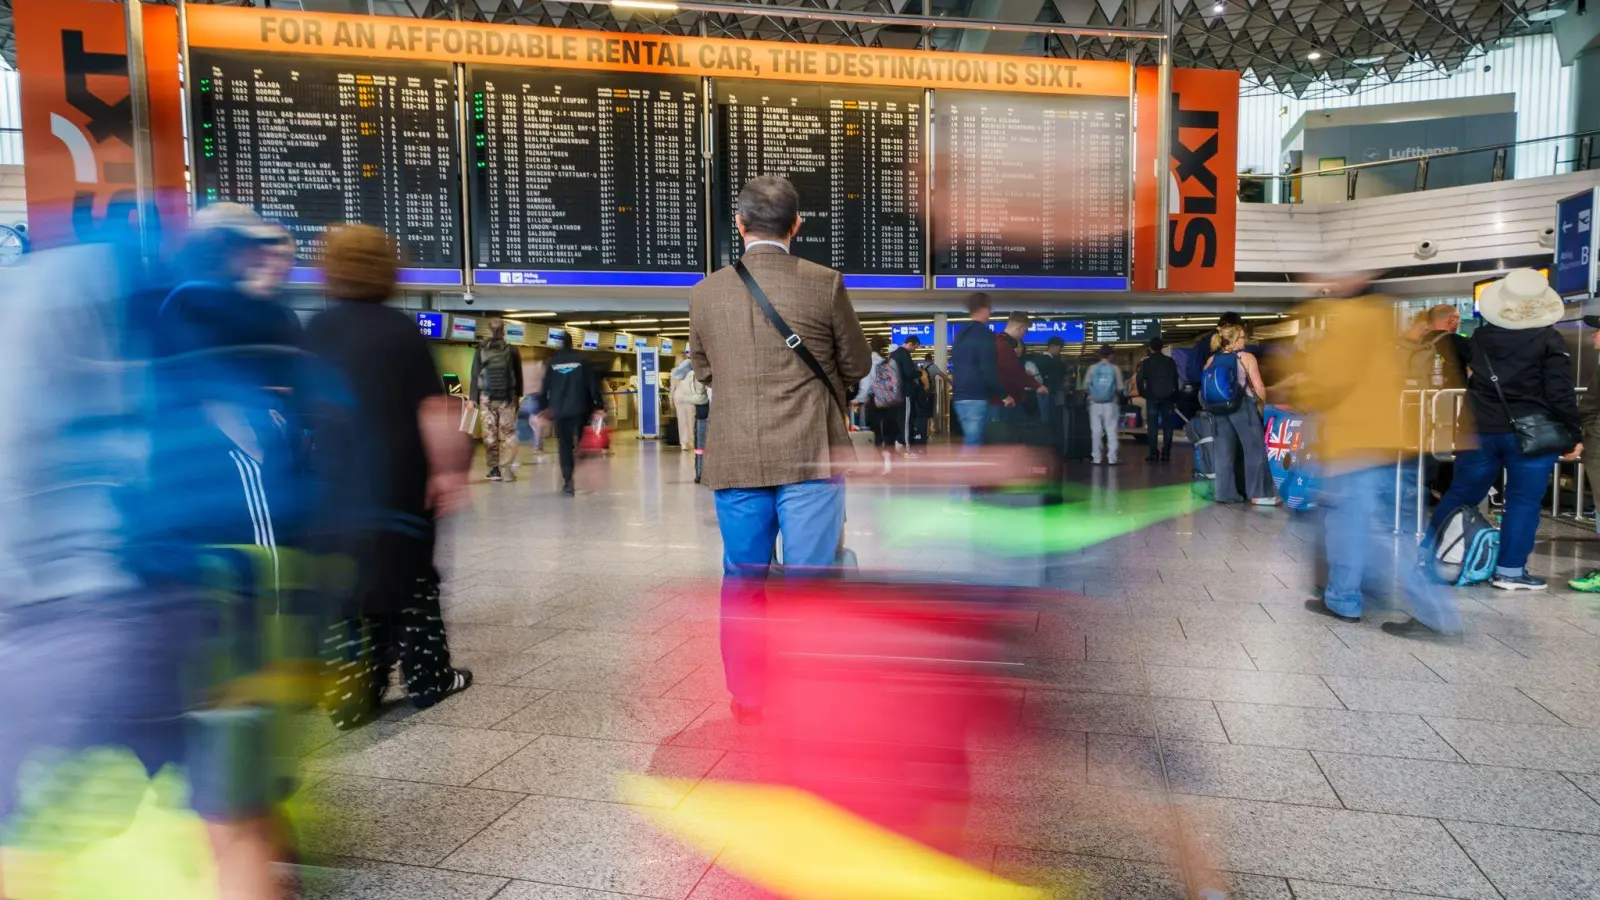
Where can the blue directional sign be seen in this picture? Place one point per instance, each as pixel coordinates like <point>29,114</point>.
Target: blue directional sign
<point>1575,245</point>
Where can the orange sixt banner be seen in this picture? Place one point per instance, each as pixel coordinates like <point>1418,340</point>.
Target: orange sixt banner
<point>1202,191</point>
<point>273,31</point>
<point>77,120</point>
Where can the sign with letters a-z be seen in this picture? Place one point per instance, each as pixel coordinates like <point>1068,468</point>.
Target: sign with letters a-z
<point>1575,245</point>
<point>77,120</point>
<point>1202,181</point>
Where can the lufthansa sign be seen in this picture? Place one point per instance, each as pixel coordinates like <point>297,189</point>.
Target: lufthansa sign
<point>236,28</point>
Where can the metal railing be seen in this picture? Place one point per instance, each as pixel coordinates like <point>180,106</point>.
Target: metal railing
<point>1290,187</point>
<point>1436,439</point>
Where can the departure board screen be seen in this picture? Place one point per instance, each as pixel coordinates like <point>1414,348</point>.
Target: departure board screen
<point>311,142</point>
<point>586,178</point>
<point>1031,192</point>
<point>857,158</point>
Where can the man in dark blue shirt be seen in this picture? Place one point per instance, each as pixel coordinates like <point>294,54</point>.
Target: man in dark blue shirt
<point>975,372</point>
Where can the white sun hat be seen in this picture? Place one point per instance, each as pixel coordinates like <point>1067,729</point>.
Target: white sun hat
<point>1521,300</point>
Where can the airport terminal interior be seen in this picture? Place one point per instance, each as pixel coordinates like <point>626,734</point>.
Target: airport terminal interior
<point>407,493</point>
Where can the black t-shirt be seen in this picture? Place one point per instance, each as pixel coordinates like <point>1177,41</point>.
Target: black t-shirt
<point>389,371</point>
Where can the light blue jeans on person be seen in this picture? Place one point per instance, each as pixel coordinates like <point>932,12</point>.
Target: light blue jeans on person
<point>974,418</point>
<point>1362,550</point>
<point>810,516</point>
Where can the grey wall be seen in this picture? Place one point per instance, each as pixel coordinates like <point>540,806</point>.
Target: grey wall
<point>1391,140</point>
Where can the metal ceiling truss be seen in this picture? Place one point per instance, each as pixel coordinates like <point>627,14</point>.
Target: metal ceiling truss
<point>1293,46</point>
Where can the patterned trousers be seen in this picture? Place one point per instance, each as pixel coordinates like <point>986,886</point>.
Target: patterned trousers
<point>500,432</point>
<point>361,651</point>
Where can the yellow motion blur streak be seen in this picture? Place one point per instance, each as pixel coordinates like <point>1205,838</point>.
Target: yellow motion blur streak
<point>804,848</point>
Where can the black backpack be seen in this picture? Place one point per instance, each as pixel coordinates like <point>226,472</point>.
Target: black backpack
<point>1160,378</point>
<point>494,370</point>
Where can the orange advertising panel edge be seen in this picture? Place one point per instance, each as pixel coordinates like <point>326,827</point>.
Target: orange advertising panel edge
<point>1203,187</point>
<point>330,34</point>
<point>77,120</point>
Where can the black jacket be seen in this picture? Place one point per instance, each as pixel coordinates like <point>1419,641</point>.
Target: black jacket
<point>974,365</point>
<point>910,375</point>
<point>570,390</point>
<point>1535,374</point>
<point>1158,375</point>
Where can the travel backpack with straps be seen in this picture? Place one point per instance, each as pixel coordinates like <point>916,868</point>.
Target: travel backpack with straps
<point>494,370</point>
<point>1220,390</point>
<point>886,387</point>
<point>1463,549</point>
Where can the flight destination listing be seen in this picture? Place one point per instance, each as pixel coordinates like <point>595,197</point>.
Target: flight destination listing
<point>310,143</point>
<point>856,157</point>
<point>1031,192</point>
<point>586,178</point>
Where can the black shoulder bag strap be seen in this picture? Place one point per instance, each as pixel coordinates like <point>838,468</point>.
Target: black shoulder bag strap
<point>790,339</point>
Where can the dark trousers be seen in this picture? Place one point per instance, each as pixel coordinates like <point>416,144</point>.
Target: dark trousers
<point>888,425</point>
<point>1526,480</point>
<point>1158,417</point>
<point>569,429</point>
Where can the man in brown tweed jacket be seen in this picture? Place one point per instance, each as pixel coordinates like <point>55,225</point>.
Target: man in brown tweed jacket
<point>777,442</point>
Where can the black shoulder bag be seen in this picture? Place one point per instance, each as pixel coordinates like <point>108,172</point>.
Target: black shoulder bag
<point>790,339</point>
<point>1538,433</point>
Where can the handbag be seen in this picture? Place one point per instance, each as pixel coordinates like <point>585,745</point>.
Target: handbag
<point>1538,434</point>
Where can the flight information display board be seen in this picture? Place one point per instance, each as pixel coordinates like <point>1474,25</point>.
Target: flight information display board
<point>1146,328</point>
<point>857,158</point>
<point>586,178</point>
<point>311,142</point>
<point>1031,192</point>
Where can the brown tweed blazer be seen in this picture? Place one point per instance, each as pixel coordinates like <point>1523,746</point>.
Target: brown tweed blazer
<point>771,420</point>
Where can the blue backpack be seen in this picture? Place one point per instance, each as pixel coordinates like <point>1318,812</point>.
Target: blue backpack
<point>1220,391</point>
<point>1463,549</point>
<point>1102,383</point>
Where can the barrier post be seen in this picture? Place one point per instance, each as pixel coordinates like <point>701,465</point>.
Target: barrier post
<point>1422,432</point>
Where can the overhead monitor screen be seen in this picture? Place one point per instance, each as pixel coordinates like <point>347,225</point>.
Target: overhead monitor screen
<point>857,157</point>
<point>311,142</point>
<point>1031,192</point>
<point>586,178</point>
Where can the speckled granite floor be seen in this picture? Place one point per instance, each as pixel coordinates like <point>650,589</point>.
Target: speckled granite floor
<point>1325,761</point>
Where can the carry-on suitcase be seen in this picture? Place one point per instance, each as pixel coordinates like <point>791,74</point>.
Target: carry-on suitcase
<point>1202,432</point>
<point>1077,437</point>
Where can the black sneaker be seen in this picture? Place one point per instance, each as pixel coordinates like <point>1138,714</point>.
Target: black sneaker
<point>1523,582</point>
<point>494,474</point>
<point>1315,605</point>
<point>1417,631</point>
<point>568,488</point>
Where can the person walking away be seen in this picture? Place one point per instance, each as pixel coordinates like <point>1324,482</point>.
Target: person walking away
<point>1157,379</point>
<point>975,374</point>
<point>911,389</point>
<point>413,472</point>
<point>687,394</point>
<point>1589,421</point>
<point>1105,387</point>
<point>1053,372</point>
<point>1521,381</point>
<point>778,442</point>
<point>1349,383</point>
<point>1019,401</point>
<point>1231,390</point>
<point>530,425</point>
<point>862,403</point>
<point>497,390</point>
<point>570,397</point>
<point>885,403</point>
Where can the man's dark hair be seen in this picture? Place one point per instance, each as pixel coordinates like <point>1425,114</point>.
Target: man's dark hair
<point>978,301</point>
<point>1107,351</point>
<point>769,204</point>
<point>912,342</point>
<point>565,340</point>
<point>1230,318</point>
<point>1055,341</point>
<point>1156,344</point>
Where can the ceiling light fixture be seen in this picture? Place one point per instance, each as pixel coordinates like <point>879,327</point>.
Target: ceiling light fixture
<point>1218,9</point>
<point>530,315</point>
<point>1314,55</point>
<point>1369,60</point>
<point>1545,15</point>
<point>653,5</point>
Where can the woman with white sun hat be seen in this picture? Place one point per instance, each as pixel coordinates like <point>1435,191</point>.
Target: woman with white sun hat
<point>1526,414</point>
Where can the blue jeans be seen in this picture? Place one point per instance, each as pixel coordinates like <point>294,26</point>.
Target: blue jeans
<point>1361,550</point>
<point>973,416</point>
<point>1526,478</point>
<point>810,516</point>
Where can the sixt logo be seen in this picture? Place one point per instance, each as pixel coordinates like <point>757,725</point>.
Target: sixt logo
<point>1191,223</point>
